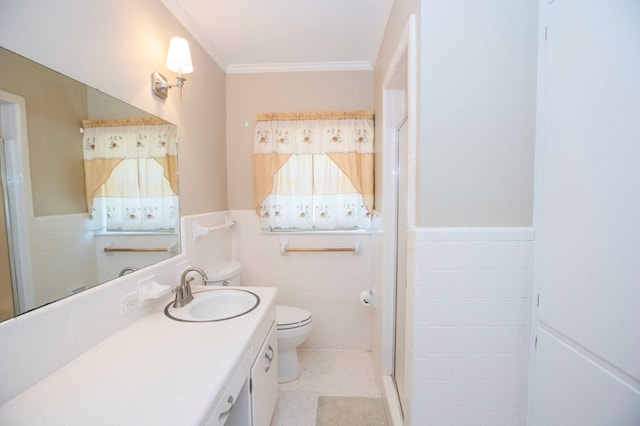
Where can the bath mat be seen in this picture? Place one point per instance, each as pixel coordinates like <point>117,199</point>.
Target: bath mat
<point>350,411</point>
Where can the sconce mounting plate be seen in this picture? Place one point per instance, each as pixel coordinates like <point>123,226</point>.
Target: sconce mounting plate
<point>160,85</point>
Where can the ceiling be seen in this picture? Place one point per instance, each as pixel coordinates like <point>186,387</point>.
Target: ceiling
<point>286,35</point>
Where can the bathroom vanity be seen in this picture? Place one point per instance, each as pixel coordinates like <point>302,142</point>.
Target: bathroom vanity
<point>159,371</point>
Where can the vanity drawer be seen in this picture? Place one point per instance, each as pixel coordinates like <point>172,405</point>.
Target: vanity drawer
<point>232,408</point>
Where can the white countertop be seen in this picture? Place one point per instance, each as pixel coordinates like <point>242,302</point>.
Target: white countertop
<point>156,371</point>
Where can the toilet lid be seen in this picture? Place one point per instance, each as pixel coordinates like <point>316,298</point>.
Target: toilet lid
<point>290,317</point>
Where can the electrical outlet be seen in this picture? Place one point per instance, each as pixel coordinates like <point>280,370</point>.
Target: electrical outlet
<point>129,302</point>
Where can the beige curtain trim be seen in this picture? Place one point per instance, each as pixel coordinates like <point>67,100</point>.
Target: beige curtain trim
<point>265,166</point>
<point>359,169</point>
<point>291,116</point>
<point>96,173</point>
<point>121,122</point>
<point>170,166</point>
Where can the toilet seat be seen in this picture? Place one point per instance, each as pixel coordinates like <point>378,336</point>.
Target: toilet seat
<point>289,317</point>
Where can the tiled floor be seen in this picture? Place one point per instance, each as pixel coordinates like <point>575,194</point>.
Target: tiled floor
<point>331,373</point>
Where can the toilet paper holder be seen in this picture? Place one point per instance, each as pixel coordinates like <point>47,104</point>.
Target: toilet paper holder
<point>368,298</point>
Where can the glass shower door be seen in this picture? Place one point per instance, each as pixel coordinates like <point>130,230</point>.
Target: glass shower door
<point>401,262</point>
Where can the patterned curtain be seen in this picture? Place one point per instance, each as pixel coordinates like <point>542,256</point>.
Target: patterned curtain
<point>131,173</point>
<point>314,170</point>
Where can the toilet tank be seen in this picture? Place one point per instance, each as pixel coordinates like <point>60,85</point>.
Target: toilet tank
<point>227,273</point>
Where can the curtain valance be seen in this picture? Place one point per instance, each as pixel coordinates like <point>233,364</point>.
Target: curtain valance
<point>301,133</point>
<point>106,143</point>
<point>346,138</point>
<point>131,138</point>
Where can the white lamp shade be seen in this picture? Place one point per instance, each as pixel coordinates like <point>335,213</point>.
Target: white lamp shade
<point>179,57</point>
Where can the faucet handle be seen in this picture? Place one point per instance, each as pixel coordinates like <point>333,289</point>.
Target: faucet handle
<point>183,294</point>
<point>187,287</point>
<point>185,291</point>
<point>178,291</point>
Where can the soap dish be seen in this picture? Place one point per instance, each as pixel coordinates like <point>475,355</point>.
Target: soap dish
<point>149,288</point>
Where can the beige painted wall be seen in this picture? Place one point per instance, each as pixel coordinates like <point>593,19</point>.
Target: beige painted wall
<point>400,13</point>
<point>104,107</point>
<point>250,94</point>
<point>114,46</point>
<point>476,109</point>
<point>478,97</point>
<point>55,107</point>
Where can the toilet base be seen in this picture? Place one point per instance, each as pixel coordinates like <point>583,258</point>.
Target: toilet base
<point>288,366</point>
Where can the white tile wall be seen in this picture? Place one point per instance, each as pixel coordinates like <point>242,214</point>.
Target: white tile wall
<point>469,339</point>
<point>327,284</point>
<point>36,344</point>
<point>53,238</point>
<point>208,251</point>
<point>111,264</point>
<point>471,316</point>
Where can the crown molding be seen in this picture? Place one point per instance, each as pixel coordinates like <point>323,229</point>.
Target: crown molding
<point>382,28</point>
<point>299,67</point>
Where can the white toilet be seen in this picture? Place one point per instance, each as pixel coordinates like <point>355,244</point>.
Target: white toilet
<point>294,324</point>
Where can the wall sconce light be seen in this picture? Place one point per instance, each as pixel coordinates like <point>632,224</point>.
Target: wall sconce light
<point>178,60</point>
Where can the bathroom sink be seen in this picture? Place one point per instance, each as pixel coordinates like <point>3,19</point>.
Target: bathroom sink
<point>215,305</point>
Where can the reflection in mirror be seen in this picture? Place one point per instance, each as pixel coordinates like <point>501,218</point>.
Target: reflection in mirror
<point>88,187</point>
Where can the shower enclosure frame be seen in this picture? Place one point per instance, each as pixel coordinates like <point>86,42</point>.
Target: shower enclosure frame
<point>399,100</point>
<point>17,176</point>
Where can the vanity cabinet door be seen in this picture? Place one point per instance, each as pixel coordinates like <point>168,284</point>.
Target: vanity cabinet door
<point>264,380</point>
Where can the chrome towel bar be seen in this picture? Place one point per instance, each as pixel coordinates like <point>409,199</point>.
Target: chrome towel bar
<point>285,249</point>
<point>140,250</point>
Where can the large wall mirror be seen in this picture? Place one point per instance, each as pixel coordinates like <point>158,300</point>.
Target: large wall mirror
<point>89,187</point>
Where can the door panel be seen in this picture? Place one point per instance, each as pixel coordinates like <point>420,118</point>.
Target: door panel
<point>572,390</point>
<point>587,363</point>
<point>587,232</point>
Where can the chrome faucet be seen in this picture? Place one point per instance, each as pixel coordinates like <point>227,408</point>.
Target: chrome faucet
<point>183,291</point>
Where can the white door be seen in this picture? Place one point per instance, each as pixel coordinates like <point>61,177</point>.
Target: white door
<point>586,368</point>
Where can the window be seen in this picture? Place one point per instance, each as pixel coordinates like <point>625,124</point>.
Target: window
<point>314,170</point>
<point>130,174</point>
